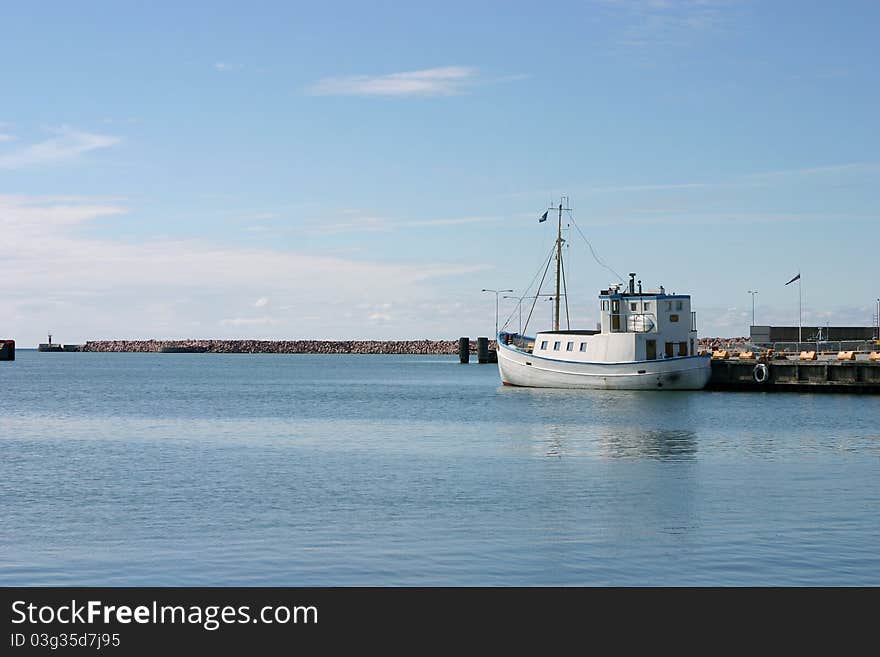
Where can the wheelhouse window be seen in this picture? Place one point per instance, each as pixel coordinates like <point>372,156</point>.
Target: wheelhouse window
<point>583,347</point>
<point>678,305</point>
<point>543,344</point>
<point>556,346</point>
<point>682,348</point>
<point>569,346</point>
<point>605,304</point>
<point>634,306</point>
<point>647,306</point>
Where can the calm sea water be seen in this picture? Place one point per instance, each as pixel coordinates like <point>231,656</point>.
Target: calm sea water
<point>203,469</point>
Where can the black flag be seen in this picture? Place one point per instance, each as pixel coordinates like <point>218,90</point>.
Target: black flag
<point>543,217</point>
<point>793,280</point>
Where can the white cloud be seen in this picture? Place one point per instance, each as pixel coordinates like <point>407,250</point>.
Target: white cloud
<point>226,67</point>
<point>6,137</point>
<point>829,171</point>
<point>31,216</point>
<point>660,187</point>
<point>658,24</point>
<point>109,120</point>
<point>249,321</point>
<point>372,224</point>
<point>86,287</point>
<point>354,221</point>
<point>850,168</point>
<point>441,81</point>
<point>66,144</point>
<point>255,216</point>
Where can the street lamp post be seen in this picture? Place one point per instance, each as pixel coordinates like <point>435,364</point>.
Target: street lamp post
<point>753,293</point>
<point>497,292</point>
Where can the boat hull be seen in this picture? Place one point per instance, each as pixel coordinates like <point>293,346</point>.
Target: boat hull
<point>518,368</point>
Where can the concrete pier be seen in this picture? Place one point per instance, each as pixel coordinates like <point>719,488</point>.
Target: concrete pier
<point>854,376</point>
<point>57,346</point>
<point>48,346</point>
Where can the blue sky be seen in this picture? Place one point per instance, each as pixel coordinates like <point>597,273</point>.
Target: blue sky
<point>358,170</point>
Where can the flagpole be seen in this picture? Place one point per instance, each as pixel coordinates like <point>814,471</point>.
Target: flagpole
<point>800,310</point>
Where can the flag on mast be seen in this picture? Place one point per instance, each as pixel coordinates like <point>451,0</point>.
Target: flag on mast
<point>543,217</point>
<point>796,278</point>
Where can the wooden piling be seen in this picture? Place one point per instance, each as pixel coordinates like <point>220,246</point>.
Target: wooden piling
<point>7,349</point>
<point>482,350</point>
<point>464,350</point>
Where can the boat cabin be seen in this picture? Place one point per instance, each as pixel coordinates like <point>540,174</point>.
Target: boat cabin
<point>635,325</point>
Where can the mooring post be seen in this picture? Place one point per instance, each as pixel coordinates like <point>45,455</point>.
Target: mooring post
<point>482,350</point>
<point>464,350</point>
<point>7,349</point>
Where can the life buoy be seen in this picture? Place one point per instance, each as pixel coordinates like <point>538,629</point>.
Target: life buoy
<point>761,373</point>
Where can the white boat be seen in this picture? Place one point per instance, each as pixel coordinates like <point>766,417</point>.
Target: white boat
<point>646,340</point>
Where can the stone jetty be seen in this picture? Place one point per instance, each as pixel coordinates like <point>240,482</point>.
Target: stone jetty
<point>426,347</point>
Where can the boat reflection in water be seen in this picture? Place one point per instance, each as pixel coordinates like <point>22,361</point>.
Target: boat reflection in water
<point>604,424</point>
<point>659,444</point>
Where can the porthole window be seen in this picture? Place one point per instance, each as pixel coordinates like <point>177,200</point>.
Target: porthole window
<point>583,346</point>
<point>556,346</point>
<point>569,346</point>
<point>543,344</point>
<point>673,318</point>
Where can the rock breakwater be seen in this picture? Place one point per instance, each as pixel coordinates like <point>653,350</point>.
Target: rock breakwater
<point>425,347</point>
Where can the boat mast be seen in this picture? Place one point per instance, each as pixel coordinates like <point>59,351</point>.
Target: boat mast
<point>559,242</point>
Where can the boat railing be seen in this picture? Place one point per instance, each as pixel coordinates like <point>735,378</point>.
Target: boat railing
<point>827,346</point>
